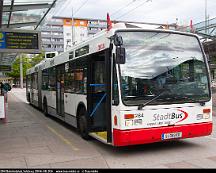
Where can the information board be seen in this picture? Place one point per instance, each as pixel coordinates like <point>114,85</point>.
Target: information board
<point>22,41</point>
<point>2,107</point>
<point>5,68</point>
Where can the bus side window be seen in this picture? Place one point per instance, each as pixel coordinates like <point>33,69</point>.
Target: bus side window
<point>45,79</point>
<point>99,76</point>
<point>28,82</point>
<point>70,82</point>
<point>52,79</point>
<point>35,81</point>
<point>81,76</point>
<point>31,82</point>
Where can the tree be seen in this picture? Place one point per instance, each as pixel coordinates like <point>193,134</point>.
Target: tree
<point>16,66</point>
<point>37,59</point>
<point>214,59</point>
<point>27,63</point>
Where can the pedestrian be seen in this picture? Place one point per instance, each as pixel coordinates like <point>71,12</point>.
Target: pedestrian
<point>5,87</point>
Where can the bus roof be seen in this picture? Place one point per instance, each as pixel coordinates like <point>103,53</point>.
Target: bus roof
<point>92,44</point>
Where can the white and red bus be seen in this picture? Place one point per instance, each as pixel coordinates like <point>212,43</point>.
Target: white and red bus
<point>128,86</point>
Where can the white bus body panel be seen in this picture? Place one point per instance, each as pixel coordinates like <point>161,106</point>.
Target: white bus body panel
<point>51,98</point>
<point>161,115</point>
<point>71,102</point>
<point>34,96</point>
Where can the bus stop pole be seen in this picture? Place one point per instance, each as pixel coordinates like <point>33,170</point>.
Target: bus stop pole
<point>21,72</point>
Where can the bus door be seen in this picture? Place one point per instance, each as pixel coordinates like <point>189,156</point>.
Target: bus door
<point>98,95</point>
<point>60,90</point>
<point>39,89</point>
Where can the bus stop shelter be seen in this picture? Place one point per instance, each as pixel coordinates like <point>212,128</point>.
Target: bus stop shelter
<point>20,15</point>
<point>19,21</point>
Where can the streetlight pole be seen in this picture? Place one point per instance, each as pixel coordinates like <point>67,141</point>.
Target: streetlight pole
<point>72,18</point>
<point>21,72</point>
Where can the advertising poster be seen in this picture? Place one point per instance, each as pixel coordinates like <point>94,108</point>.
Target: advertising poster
<point>2,107</point>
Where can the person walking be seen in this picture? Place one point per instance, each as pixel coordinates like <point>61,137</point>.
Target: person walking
<point>5,87</point>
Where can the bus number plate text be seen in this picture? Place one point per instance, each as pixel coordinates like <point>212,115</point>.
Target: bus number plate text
<point>171,135</point>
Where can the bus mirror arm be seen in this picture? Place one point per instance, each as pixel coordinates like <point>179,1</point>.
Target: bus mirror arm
<point>117,40</point>
<point>120,51</point>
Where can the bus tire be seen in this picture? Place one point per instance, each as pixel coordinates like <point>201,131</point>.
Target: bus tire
<point>83,124</point>
<point>45,109</point>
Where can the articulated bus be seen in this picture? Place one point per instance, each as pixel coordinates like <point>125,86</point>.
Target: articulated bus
<point>128,86</point>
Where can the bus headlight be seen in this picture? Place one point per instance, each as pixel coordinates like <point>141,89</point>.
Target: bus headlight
<point>128,123</point>
<point>206,113</point>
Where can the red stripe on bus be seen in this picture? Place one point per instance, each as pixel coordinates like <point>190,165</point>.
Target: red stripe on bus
<point>185,117</point>
<point>144,136</point>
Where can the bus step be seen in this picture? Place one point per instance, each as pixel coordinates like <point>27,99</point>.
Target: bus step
<point>102,136</point>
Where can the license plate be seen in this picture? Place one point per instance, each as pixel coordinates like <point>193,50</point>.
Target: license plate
<point>171,135</point>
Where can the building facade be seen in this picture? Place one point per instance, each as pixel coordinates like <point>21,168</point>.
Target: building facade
<point>58,34</point>
<point>53,36</point>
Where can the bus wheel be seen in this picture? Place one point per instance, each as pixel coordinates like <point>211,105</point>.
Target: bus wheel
<point>83,124</point>
<point>45,110</point>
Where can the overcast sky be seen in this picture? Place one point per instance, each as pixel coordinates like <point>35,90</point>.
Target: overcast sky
<point>153,11</point>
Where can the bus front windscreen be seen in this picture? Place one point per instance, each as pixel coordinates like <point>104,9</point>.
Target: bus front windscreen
<point>167,66</point>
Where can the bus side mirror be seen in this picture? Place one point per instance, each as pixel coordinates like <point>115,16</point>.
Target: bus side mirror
<point>120,55</point>
<point>118,41</point>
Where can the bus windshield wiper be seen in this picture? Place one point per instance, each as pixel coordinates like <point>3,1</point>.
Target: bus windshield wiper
<point>155,98</point>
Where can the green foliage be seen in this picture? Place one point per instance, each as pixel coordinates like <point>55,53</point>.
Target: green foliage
<point>214,59</point>
<point>36,59</point>
<point>27,63</point>
<point>16,67</point>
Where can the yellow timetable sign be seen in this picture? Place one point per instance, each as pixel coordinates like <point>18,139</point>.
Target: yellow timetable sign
<point>20,41</point>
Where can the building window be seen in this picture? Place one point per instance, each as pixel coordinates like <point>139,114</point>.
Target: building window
<point>56,27</point>
<point>57,39</point>
<point>45,39</point>
<point>45,33</point>
<point>57,33</point>
<point>68,34</point>
<point>68,41</point>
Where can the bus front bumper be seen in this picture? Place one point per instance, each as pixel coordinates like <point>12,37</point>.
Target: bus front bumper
<point>151,135</point>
